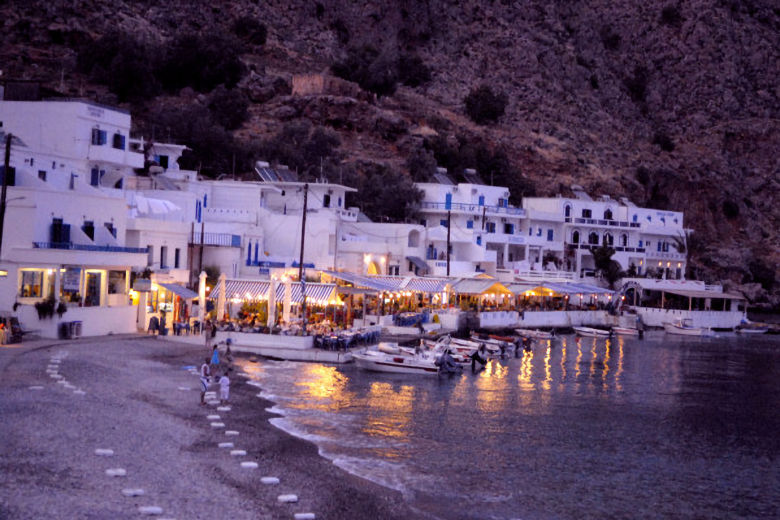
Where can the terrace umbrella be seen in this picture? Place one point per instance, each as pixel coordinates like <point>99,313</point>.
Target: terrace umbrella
<point>271,320</point>
<point>287,301</point>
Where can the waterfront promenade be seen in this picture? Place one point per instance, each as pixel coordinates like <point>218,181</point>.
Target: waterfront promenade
<point>132,395</point>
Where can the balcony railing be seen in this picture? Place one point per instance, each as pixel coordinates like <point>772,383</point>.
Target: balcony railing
<point>601,222</point>
<point>88,247</point>
<point>216,239</point>
<point>473,208</point>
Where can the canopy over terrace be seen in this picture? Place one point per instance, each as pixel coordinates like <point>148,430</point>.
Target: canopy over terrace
<point>253,290</point>
<point>556,295</point>
<point>481,292</point>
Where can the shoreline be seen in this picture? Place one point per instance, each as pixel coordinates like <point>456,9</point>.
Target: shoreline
<point>134,404</point>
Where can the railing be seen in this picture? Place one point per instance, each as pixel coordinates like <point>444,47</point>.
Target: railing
<point>88,247</point>
<point>473,208</point>
<point>602,222</point>
<point>216,239</point>
<point>616,248</point>
<point>666,254</point>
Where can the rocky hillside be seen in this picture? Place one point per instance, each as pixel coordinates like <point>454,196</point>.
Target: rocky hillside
<point>673,104</point>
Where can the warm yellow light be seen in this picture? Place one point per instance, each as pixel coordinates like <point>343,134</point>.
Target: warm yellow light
<point>641,262</point>
<point>3,273</point>
<point>679,264</point>
<point>660,264</point>
<point>366,258</point>
<point>50,271</point>
<point>208,288</point>
<point>382,259</point>
<point>668,264</point>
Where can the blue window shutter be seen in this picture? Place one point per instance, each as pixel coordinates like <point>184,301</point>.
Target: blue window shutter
<point>205,201</point>
<point>481,200</point>
<point>443,222</point>
<point>257,248</point>
<point>479,240</point>
<point>469,224</point>
<point>549,235</point>
<point>95,179</point>
<point>448,201</point>
<point>249,253</point>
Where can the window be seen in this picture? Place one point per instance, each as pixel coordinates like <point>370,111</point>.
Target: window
<point>326,201</point>
<point>509,229</point>
<point>32,161</point>
<point>42,175</point>
<point>530,231</point>
<point>567,211</point>
<point>110,227</point>
<point>94,179</point>
<point>635,218</point>
<point>99,136</point>
<point>640,243</point>
<point>624,240</point>
<point>149,255</point>
<point>54,165</point>
<point>469,224</point>
<point>117,282</point>
<point>538,232</point>
<point>490,227</point>
<point>89,229</point>
<point>443,222</point>
<point>503,203</point>
<point>593,238</point>
<point>575,237</point>
<point>163,257</point>
<point>608,240</point>
<point>479,240</point>
<point>423,222</point>
<point>118,142</point>
<point>608,214</point>
<point>31,284</point>
<point>481,200</point>
<point>176,258</point>
<point>549,235</point>
<point>339,202</point>
<point>586,213</point>
<point>658,246</point>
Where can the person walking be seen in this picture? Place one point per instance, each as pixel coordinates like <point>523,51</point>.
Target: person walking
<point>205,373</point>
<point>215,357</point>
<point>207,332</point>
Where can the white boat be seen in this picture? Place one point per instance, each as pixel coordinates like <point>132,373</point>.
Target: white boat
<point>625,331</point>
<point>683,328</point>
<point>591,333</point>
<point>402,362</point>
<point>534,334</point>
<point>752,330</point>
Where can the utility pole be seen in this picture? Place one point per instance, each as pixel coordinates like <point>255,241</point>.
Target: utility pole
<point>449,215</point>
<point>484,212</point>
<point>300,263</point>
<point>3,194</point>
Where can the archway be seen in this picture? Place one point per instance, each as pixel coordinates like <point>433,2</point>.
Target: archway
<point>372,268</point>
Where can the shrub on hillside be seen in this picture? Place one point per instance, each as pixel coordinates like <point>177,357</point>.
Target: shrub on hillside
<point>228,107</point>
<point>730,209</point>
<point>670,15</point>
<point>412,71</point>
<point>637,84</point>
<point>663,140</point>
<point>303,148</point>
<point>609,38</point>
<point>484,106</point>
<point>250,30</point>
<point>201,62</point>
<point>384,193</point>
<point>372,70</point>
<point>421,164</point>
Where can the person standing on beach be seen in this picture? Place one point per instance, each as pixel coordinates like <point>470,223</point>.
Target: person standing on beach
<point>207,327</point>
<point>224,388</point>
<point>215,357</point>
<point>205,373</point>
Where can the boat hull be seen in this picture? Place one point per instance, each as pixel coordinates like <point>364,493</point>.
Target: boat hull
<point>395,364</point>
<point>671,328</point>
<point>624,331</point>
<point>591,333</point>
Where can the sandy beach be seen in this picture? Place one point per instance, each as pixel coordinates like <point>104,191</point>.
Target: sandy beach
<point>62,401</point>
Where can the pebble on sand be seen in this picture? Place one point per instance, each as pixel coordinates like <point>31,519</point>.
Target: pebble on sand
<point>231,432</point>
<point>249,465</point>
<point>132,492</point>
<point>213,417</point>
<point>238,453</point>
<point>270,481</point>
<point>287,498</point>
<point>36,387</point>
<point>150,510</point>
<point>225,444</point>
<point>184,388</point>
<point>116,472</point>
<point>104,452</point>
<point>217,425</point>
<point>223,408</point>
<point>79,392</point>
<point>304,516</point>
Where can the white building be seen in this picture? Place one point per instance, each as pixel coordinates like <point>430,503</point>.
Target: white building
<point>64,239</point>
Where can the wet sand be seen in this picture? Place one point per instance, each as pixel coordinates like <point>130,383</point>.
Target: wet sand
<point>134,403</point>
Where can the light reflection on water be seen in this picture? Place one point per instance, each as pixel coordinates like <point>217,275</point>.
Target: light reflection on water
<point>577,428</point>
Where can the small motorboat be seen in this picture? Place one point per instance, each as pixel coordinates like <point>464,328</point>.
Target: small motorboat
<point>625,331</point>
<point>534,334</point>
<point>684,328</point>
<point>398,360</point>
<point>591,333</point>
<point>752,330</point>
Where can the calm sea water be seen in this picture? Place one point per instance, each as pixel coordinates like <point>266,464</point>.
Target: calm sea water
<point>664,427</point>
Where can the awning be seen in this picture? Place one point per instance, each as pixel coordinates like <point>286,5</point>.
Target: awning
<point>427,285</point>
<point>479,286</point>
<point>702,294</point>
<point>316,293</point>
<point>306,265</point>
<point>244,289</point>
<point>178,290</point>
<point>362,281</point>
<point>419,262</point>
<point>575,288</point>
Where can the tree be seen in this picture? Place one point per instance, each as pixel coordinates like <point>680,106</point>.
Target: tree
<point>373,71</point>
<point>228,107</point>
<point>412,71</point>
<point>250,30</point>
<point>421,165</point>
<point>201,62</point>
<point>609,269</point>
<point>384,193</point>
<point>693,246</point>
<point>484,106</point>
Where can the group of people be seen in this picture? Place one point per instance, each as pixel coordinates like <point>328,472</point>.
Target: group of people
<point>211,367</point>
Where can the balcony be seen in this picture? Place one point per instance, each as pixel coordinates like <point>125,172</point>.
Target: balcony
<point>216,239</point>
<point>618,249</point>
<point>88,247</point>
<point>107,154</point>
<point>601,222</point>
<point>474,208</point>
